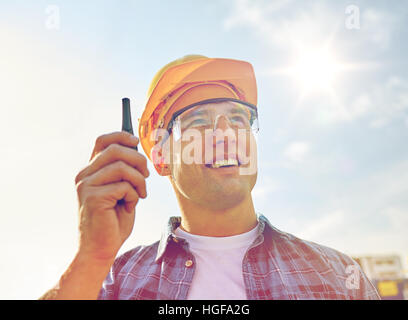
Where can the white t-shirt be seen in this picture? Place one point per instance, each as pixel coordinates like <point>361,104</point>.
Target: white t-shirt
<point>218,269</point>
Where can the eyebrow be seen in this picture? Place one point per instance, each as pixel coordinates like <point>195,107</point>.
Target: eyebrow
<point>198,112</point>
<point>240,110</point>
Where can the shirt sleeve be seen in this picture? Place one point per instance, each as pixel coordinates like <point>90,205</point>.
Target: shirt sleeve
<point>112,283</point>
<point>107,291</point>
<point>354,281</point>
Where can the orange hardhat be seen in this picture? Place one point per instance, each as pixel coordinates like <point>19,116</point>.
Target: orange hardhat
<point>192,79</point>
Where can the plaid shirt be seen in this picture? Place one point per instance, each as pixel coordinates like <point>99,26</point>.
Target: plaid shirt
<point>277,265</point>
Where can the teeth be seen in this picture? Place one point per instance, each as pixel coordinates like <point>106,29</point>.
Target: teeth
<point>223,163</point>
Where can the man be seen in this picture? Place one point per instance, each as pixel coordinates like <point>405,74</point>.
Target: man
<point>198,128</point>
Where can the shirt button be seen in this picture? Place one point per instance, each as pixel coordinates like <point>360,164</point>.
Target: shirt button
<point>188,263</point>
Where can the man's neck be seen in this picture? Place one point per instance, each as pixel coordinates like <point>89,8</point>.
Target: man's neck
<point>204,221</point>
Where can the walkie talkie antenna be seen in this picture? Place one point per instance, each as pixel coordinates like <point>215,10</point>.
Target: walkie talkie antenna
<point>126,117</point>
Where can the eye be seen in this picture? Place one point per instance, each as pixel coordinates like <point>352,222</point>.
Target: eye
<point>239,119</point>
<point>197,122</point>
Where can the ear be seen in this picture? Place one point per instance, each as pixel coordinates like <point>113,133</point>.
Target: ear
<point>161,167</point>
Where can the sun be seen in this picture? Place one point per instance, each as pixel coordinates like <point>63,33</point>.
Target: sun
<point>319,72</point>
<point>315,70</point>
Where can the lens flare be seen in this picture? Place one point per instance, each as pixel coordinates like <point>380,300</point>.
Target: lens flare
<point>315,70</point>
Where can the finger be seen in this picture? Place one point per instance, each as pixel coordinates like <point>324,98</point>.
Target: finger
<point>121,137</point>
<point>111,193</point>
<point>126,219</point>
<point>111,154</point>
<point>116,172</point>
<point>124,190</point>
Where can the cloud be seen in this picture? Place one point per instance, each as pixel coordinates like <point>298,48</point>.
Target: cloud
<point>398,217</point>
<point>378,26</point>
<point>325,224</point>
<point>281,24</point>
<point>360,106</point>
<point>379,103</point>
<point>389,101</point>
<point>297,151</point>
<point>379,123</point>
<point>253,13</point>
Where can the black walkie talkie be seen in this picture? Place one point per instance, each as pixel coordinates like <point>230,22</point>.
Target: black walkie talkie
<point>126,126</point>
<point>126,117</point>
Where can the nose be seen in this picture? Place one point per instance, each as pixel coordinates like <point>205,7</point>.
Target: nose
<point>223,131</point>
<point>221,122</point>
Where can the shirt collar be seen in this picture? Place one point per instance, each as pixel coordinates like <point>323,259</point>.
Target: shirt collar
<point>265,230</point>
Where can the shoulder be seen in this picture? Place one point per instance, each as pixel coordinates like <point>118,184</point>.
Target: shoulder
<point>335,259</point>
<point>300,248</point>
<point>335,268</point>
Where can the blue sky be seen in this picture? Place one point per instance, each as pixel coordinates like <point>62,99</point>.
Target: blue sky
<point>333,162</point>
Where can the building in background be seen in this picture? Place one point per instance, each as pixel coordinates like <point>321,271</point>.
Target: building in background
<point>387,274</point>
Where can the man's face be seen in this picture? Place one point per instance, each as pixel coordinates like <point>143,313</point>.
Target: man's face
<point>213,161</point>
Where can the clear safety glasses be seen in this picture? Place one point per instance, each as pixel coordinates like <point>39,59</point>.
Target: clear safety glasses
<point>207,114</point>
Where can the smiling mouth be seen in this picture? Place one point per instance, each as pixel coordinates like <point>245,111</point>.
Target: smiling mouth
<point>223,164</point>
